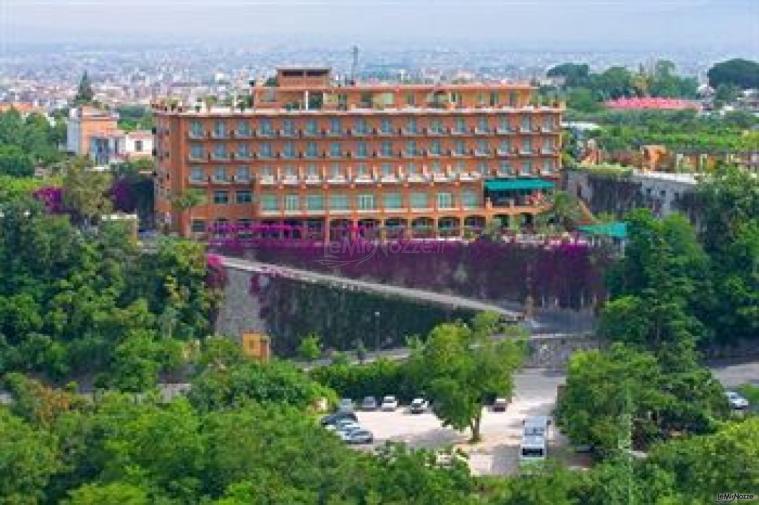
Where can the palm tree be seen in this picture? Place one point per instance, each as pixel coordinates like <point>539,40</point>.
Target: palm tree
<point>186,201</point>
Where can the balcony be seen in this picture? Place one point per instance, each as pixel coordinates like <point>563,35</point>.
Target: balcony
<point>265,133</point>
<point>459,132</point>
<point>267,180</point>
<point>220,180</point>
<point>197,181</point>
<point>288,133</point>
<point>504,130</point>
<point>504,152</point>
<point>310,133</point>
<point>441,177</point>
<point>243,134</point>
<point>482,153</point>
<point>384,132</point>
<point>291,180</point>
<point>436,132</point>
<point>457,154</point>
<point>340,179</point>
<point>313,179</point>
<point>219,134</point>
<point>364,179</point>
<point>482,131</point>
<point>389,179</point>
<point>409,132</point>
<point>197,135</point>
<point>219,156</point>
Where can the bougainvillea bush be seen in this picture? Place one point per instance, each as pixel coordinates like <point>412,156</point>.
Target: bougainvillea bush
<point>565,274</point>
<point>52,198</point>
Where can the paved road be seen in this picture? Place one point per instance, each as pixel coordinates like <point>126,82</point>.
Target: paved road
<point>451,301</point>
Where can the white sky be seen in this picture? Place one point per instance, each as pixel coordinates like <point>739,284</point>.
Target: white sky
<point>536,24</point>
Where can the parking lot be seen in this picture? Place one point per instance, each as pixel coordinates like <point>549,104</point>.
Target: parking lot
<point>535,394</point>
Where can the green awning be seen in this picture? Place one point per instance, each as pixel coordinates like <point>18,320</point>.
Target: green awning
<point>616,229</point>
<point>517,184</point>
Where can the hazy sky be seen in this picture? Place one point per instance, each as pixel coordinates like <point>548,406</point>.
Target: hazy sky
<point>521,24</point>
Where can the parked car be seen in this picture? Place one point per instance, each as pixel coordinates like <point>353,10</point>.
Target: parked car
<point>369,403</point>
<point>389,403</point>
<point>418,406</point>
<point>737,402</point>
<point>345,405</point>
<point>499,405</point>
<point>342,424</point>
<point>360,437</point>
<point>333,418</point>
<point>348,427</point>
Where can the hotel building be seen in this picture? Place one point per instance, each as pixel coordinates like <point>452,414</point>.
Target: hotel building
<point>319,158</point>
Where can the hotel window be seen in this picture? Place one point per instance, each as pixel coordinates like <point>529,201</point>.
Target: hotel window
<point>386,126</point>
<point>335,150</point>
<point>483,146</point>
<point>362,150</point>
<point>482,125</point>
<point>459,167</point>
<point>460,125</point>
<point>138,146</point>
<point>470,199</point>
<point>288,150</point>
<point>336,171</point>
<point>265,127</point>
<point>265,151</point>
<point>504,168</point>
<point>243,129</point>
<point>547,166</point>
<point>460,147</point>
<point>386,148</point>
<point>419,201</point>
<point>480,99</point>
<point>548,123</point>
<point>362,170</point>
<point>411,125</point>
<point>242,174</point>
<point>513,99</point>
<point>266,171</point>
<point>393,201</point>
<point>412,169</point>
<point>292,202</point>
<point>335,128</point>
<point>526,122</point>
<point>338,202</point>
<point>198,226</point>
<point>311,127</point>
<point>436,167</point>
<point>444,201</point>
<point>196,151</point>
<point>504,146</point>
<point>527,145</point>
<point>312,151</point>
<point>503,124</point>
<point>360,126</point>
<point>315,202</point>
<point>493,98</point>
<point>219,129</point>
<point>243,151</point>
<point>387,170</point>
<point>527,167</point>
<point>220,197</point>
<point>269,202</point>
<point>196,129</point>
<point>220,151</point>
<point>288,127</point>
<point>410,99</point>
<point>411,148</point>
<point>436,126</point>
<point>548,145</point>
<point>197,174</point>
<point>220,174</point>
<point>312,171</point>
<point>243,196</point>
<point>436,148</point>
<point>483,168</point>
<point>366,202</point>
<point>291,172</point>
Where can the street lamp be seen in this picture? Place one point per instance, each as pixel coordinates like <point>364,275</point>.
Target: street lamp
<point>376,330</point>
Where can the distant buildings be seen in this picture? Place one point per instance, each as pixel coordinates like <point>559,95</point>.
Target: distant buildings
<point>93,132</point>
<point>322,160</point>
<point>653,103</point>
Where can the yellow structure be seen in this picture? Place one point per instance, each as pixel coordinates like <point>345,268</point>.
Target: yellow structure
<point>256,345</point>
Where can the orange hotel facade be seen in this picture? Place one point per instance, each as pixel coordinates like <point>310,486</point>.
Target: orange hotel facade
<point>413,160</point>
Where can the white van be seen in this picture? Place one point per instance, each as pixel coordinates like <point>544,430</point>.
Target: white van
<point>533,449</point>
<point>537,426</point>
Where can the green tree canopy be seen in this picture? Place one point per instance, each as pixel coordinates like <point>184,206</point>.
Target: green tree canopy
<point>737,72</point>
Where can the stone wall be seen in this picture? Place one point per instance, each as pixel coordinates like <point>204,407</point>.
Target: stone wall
<point>553,351</point>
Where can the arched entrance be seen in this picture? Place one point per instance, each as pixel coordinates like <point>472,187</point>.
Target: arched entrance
<point>395,228</point>
<point>449,227</point>
<point>423,227</point>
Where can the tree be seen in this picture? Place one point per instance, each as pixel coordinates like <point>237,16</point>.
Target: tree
<point>575,75</point>
<point>726,94</point>
<point>310,347</point>
<point>84,94</point>
<point>461,370</point>
<point>27,460</point>
<point>85,191</point>
<point>737,72</point>
<point>115,492</point>
<point>565,212</point>
<point>583,100</point>
<point>14,162</point>
<point>188,200</point>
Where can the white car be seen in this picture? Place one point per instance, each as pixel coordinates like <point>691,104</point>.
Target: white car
<point>345,405</point>
<point>737,402</point>
<point>389,403</point>
<point>418,406</point>
<point>359,437</point>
